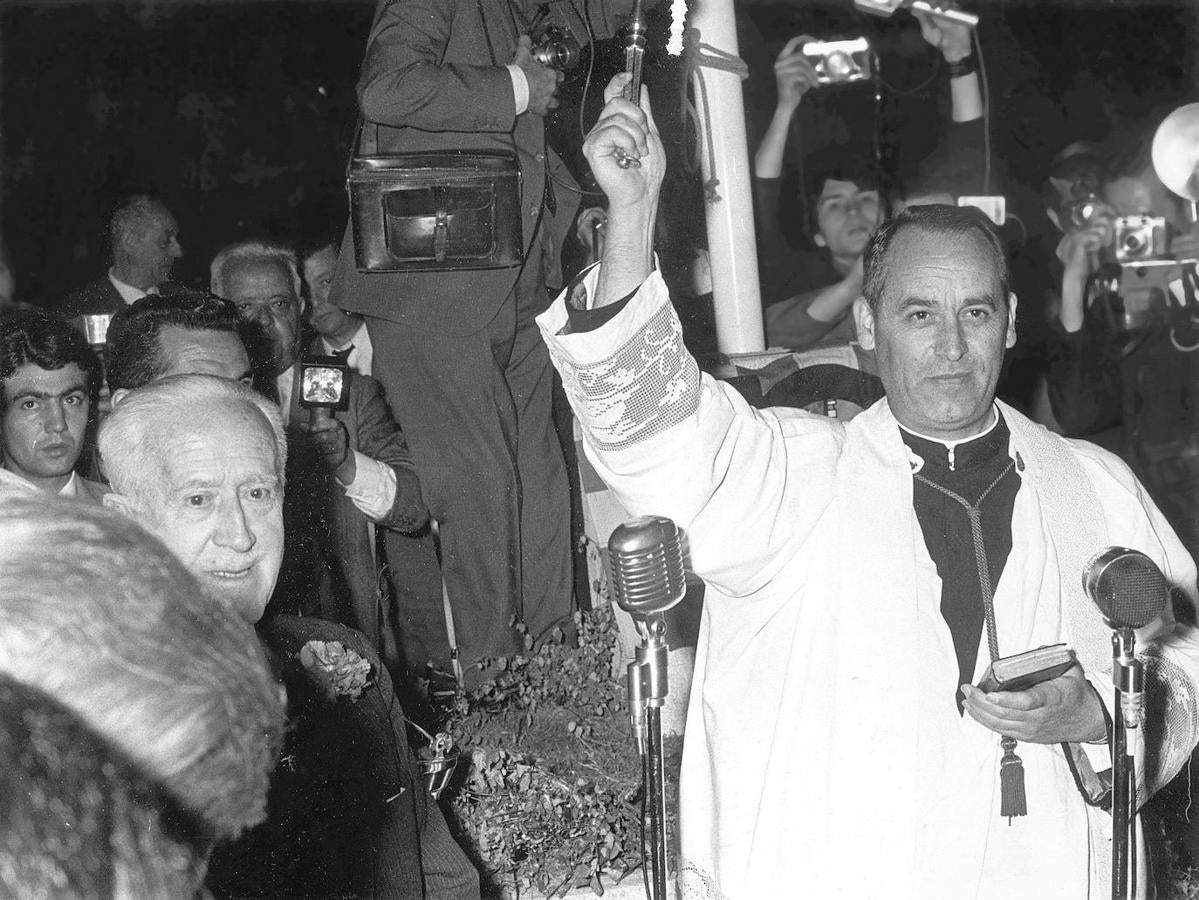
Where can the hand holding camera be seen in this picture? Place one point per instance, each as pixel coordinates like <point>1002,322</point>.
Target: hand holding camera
<point>793,73</point>
<point>950,37</point>
<point>839,62</point>
<point>543,81</point>
<point>329,437</point>
<point>1184,245</point>
<point>324,387</point>
<point>1080,248</point>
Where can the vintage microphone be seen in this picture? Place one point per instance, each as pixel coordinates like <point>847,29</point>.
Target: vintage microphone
<point>647,569</point>
<point>1130,592</point>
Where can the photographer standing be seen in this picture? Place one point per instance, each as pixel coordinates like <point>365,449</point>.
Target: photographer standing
<point>1125,360</point>
<point>457,351</point>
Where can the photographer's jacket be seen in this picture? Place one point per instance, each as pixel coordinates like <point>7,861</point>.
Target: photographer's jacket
<point>822,728</point>
<point>434,79</point>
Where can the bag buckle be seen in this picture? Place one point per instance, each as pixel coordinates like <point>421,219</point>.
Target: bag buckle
<point>441,226</point>
<point>441,236</point>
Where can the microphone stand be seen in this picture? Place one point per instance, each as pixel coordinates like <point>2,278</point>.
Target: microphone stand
<point>1128,673</point>
<point>648,687</point>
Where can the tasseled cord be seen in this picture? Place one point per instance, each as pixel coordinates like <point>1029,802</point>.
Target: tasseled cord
<point>1011,782</point>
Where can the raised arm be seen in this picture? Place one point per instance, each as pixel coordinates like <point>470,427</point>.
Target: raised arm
<point>952,39</point>
<point>794,77</point>
<point>666,438</point>
<point>625,131</point>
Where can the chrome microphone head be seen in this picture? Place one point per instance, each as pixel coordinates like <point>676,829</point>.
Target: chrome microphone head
<point>647,565</point>
<point>1127,586</point>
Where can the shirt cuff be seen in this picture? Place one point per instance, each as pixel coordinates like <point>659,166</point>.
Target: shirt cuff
<point>373,489</point>
<point>579,318</point>
<point>520,87</point>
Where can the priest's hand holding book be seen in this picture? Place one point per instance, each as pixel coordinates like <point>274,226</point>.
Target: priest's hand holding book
<point>1040,697</point>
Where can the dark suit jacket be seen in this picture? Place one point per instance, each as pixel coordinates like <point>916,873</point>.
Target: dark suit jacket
<point>429,83</point>
<point>328,550</point>
<point>346,806</point>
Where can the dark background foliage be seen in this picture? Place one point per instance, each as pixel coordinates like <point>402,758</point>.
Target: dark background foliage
<point>240,114</point>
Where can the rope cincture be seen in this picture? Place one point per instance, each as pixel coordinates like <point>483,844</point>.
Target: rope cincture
<point>1012,799</point>
<point>698,56</point>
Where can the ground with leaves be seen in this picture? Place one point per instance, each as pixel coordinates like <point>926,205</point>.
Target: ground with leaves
<point>551,799</point>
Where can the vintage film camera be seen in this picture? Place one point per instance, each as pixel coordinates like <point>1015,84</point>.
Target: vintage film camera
<point>840,62</point>
<point>553,46</point>
<point>1142,246</point>
<point>1081,209</point>
<point>1153,286</point>
<point>324,383</point>
<point>1141,238</point>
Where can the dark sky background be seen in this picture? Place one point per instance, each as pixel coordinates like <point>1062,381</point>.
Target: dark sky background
<point>241,114</point>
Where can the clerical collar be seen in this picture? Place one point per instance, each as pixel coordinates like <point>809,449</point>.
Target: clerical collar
<point>952,455</point>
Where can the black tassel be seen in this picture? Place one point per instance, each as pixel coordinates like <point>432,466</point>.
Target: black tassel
<point>1011,782</point>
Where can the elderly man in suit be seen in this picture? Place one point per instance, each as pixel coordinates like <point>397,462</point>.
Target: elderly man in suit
<point>144,239</point>
<point>199,461</point>
<point>344,471</point>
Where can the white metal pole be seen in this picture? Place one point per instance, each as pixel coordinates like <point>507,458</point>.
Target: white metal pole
<point>725,157</point>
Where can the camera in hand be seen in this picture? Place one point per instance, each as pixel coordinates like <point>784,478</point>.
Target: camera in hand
<point>1081,210</point>
<point>839,62</point>
<point>1151,281</point>
<point>553,46</point>
<point>324,383</point>
<point>1141,238</point>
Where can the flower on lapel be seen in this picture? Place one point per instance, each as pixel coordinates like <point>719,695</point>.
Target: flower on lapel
<point>336,669</point>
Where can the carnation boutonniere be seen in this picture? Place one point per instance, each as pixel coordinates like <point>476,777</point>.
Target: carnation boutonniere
<point>336,669</point>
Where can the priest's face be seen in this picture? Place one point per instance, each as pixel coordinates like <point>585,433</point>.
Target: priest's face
<point>939,328</point>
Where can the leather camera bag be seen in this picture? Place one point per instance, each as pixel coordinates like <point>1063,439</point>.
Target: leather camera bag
<point>414,212</point>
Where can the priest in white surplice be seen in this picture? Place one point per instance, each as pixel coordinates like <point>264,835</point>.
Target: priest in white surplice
<point>861,576</point>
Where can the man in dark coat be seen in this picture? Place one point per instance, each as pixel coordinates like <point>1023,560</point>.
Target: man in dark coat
<point>344,471</point>
<point>457,351</point>
<point>144,239</point>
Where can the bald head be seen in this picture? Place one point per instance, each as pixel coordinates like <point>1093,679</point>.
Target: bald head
<point>198,461</point>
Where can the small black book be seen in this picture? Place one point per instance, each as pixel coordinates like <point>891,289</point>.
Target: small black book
<point>1024,670</point>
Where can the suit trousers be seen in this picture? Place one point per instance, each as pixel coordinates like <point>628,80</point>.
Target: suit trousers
<point>477,412</point>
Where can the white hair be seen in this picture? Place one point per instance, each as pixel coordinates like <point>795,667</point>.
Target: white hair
<point>252,251</point>
<point>102,617</point>
<point>131,456</point>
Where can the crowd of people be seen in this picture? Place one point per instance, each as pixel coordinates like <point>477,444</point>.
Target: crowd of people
<point>220,587</point>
